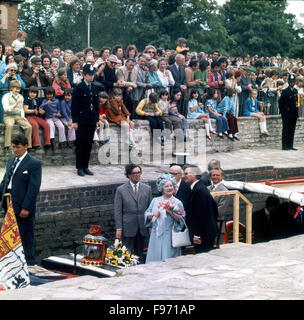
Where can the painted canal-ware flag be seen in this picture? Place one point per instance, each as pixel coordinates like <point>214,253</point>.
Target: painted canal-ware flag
<point>13,268</point>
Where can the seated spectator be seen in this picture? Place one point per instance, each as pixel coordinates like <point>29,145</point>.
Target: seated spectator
<point>5,79</point>
<point>60,83</point>
<point>103,124</point>
<point>202,74</point>
<point>13,113</point>
<point>175,115</point>
<point>164,74</point>
<point>196,110</point>
<point>21,64</point>
<point>34,76</point>
<point>73,72</point>
<point>148,109</point>
<point>227,109</point>
<point>51,106</point>
<point>251,110</point>
<point>214,79</point>
<point>120,115</point>
<point>211,106</point>
<point>66,116</point>
<point>163,104</point>
<point>34,115</point>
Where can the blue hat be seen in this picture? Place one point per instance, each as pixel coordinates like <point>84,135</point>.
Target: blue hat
<point>88,69</point>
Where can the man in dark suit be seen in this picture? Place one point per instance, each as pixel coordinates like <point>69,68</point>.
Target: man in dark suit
<point>131,201</point>
<point>22,180</point>
<point>85,116</point>
<point>178,73</point>
<point>182,191</point>
<point>289,112</point>
<point>202,211</point>
<point>267,221</point>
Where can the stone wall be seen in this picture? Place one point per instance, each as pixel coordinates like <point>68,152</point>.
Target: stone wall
<point>249,134</point>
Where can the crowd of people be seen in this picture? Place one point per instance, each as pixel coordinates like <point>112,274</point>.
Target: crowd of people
<point>165,87</point>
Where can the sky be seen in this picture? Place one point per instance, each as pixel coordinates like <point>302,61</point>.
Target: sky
<point>295,7</point>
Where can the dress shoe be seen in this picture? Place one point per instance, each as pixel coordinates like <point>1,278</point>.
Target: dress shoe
<point>294,149</point>
<point>220,136</point>
<point>80,172</point>
<point>285,149</point>
<point>88,172</point>
<point>236,138</point>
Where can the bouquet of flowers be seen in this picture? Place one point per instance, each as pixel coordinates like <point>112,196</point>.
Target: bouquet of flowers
<point>119,256</point>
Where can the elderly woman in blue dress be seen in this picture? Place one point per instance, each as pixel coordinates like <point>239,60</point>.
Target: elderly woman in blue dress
<point>163,212</point>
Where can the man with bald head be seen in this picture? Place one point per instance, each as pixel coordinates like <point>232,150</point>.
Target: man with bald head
<point>182,191</point>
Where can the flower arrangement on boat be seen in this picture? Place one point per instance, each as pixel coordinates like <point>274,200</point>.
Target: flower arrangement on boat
<point>119,256</point>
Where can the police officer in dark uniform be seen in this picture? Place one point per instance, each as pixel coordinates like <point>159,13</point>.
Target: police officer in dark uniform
<point>85,110</point>
<point>289,112</point>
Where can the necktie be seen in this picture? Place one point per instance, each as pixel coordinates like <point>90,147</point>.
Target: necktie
<point>136,191</point>
<point>11,170</point>
<point>180,74</point>
<point>129,76</point>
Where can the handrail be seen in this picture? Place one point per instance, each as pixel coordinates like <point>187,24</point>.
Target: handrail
<point>236,213</point>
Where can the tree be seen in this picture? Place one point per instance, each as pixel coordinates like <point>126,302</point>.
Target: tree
<point>36,19</point>
<point>259,27</point>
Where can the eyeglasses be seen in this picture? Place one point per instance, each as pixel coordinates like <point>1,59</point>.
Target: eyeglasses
<point>113,62</point>
<point>151,52</point>
<point>13,70</point>
<point>136,172</point>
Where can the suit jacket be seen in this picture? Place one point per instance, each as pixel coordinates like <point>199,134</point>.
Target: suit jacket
<point>288,102</point>
<point>26,183</point>
<point>223,202</point>
<point>122,74</point>
<point>179,77</point>
<point>202,213</point>
<point>85,104</point>
<point>30,81</point>
<point>129,212</point>
<point>142,79</point>
<point>183,193</point>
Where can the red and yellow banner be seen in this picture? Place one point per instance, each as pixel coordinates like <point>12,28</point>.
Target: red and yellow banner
<point>13,268</point>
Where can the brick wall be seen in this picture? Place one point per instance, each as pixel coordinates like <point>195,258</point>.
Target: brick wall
<point>9,35</point>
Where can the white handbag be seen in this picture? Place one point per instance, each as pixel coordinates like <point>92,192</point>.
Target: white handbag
<point>181,238</point>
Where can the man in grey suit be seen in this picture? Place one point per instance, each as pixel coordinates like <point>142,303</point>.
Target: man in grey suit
<point>127,76</point>
<point>223,202</point>
<point>130,203</point>
<point>142,79</point>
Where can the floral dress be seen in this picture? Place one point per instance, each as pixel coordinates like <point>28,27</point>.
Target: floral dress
<point>160,244</point>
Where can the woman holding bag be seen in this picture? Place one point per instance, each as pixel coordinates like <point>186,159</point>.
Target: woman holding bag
<point>162,214</point>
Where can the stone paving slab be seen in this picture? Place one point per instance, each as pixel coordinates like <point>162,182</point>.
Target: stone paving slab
<point>66,176</point>
<point>267,271</point>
